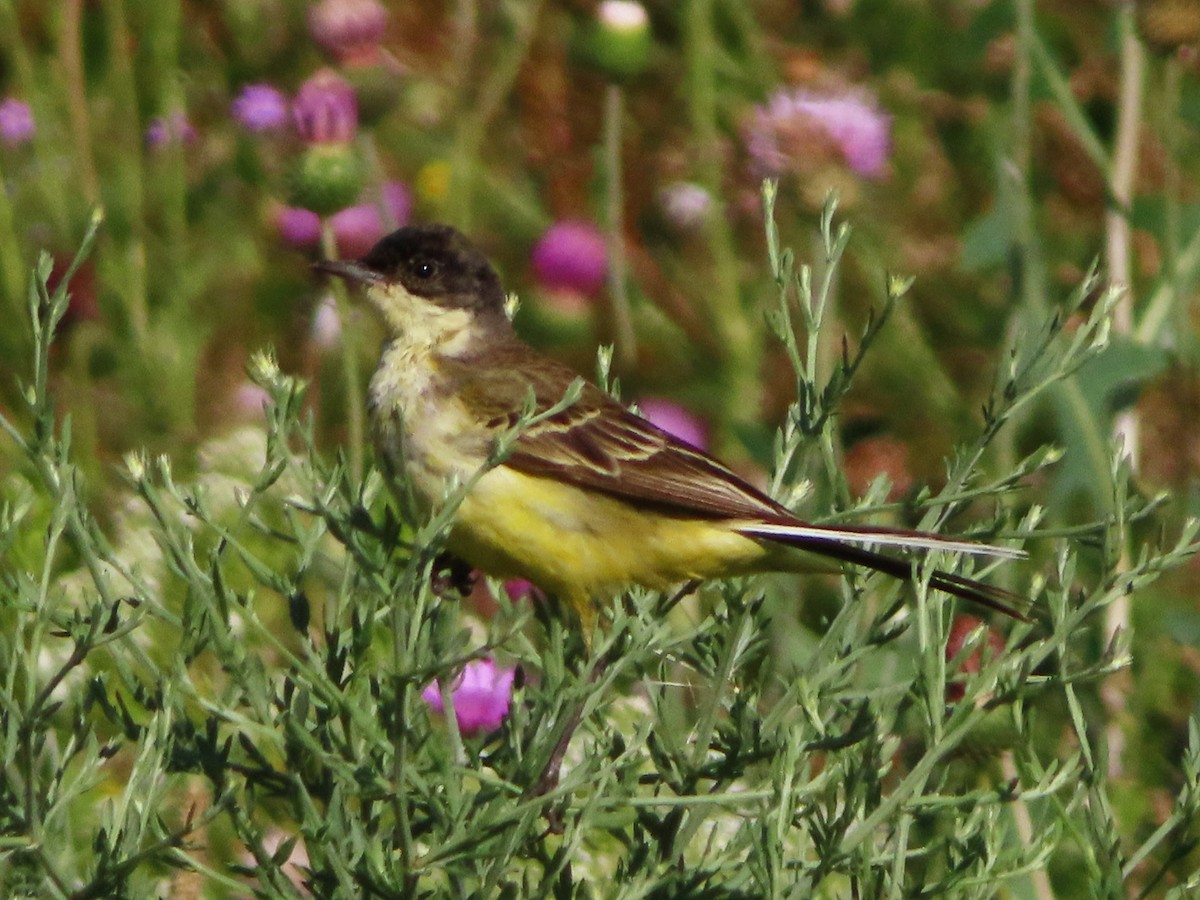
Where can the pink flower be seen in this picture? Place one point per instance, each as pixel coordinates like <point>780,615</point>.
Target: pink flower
<point>326,328</point>
<point>519,588</point>
<point>685,204</point>
<point>480,697</point>
<point>249,401</point>
<point>869,457</point>
<point>355,228</point>
<point>170,129</point>
<point>261,107</point>
<point>675,421</point>
<point>16,122</point>
<point>348,30</point>
<point>782,131</point>
<point>299,228</point>
<point>960,629</point>
<point>571,256</point>
<point>397,202</point>
<point>325,109</point>
<point>83,304</point>
<point>358,228</point>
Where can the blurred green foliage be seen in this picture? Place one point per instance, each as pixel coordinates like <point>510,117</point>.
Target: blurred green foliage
<point>215,624</point>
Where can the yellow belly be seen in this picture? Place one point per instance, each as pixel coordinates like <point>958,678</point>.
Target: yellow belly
<point>583,546</point>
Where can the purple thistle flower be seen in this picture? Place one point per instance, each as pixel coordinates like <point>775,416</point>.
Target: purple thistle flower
<point>675,421</point>
<point>520,588</point>
<point>355,228</point>
<point>16,122</point>
<point>358,228</point>
<point>348,30</point>
<point>170,129</point>
<point>571,256</point>
<point>299,228</point>
<point>325,109</point>
<point>685,204</point>
<point>783,131</point>
<point>480,697</point>
<point>261,107</point>
<point>249,401</point>
<point>397,202</point>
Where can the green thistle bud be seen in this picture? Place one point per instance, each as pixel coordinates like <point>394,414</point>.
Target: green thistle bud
<point>327,178</point>
<point>618,40</point>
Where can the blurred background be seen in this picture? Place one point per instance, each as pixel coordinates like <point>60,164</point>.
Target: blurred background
<point>609,158</point>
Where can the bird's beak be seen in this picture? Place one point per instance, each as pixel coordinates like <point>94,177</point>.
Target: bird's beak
<point>351,271</point>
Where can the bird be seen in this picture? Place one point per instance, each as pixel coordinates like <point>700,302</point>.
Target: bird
<point>591,497</point>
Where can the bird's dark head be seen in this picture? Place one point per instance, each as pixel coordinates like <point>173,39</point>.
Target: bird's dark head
<point>422,265</point>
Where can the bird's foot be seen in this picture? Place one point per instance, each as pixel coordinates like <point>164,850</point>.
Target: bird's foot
<point>450,573</point>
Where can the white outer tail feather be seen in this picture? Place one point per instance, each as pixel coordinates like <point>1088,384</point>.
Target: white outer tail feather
<point>882,538</point>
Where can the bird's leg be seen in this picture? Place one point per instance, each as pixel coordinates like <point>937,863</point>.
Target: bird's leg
<point>586,614</point>
<point>671,602</point>
<point>548,779</point>
<point>450,573</point>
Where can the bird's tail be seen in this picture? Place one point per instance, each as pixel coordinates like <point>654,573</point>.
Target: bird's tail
<point>851,544</point>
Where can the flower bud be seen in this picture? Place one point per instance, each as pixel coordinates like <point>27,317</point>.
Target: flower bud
<point>325,110</point>
<point>618,40</point>
<point>299,228</point>
<point>326,326</point>
<point>16,122</point>
<point>357,229</point>
<point>480,696</point>
<point>675,421</point>
<point>433,181</point>
<point>685,204</point>
<point>962,628</point>
<point>170,129</point>
<point>348,30</point>
<point>326,178</point>
<point>571,256</point>
<point>260,107</point>
<point>1168,25</point>
<point>795,128</point>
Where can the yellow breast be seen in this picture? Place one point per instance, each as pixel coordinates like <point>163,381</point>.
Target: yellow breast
<point>583,545</point>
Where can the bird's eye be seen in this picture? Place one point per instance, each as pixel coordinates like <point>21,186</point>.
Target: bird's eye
<point>424,269</point>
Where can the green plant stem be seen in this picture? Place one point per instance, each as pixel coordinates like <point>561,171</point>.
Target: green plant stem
<point>71,54</point>
<point>739,340</point>
<point>127,194</point>
<point>466,41</point>
<point>739,638</point>
<point>33,86</point>
<point>355,402</point>
<point>1161,308</point>
<point>1039,880</point>
<point>163,36</point>
<point>473,123</point>
<point>1031,274</point>
<point>1118,249</point>
<point>11,265</point>
<point>1020,148</point>
<point>618,288</point>
<point>1119,252</point>
<point>1172,132</point>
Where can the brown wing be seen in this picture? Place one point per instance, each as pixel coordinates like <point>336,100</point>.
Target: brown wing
<point>598,444</point>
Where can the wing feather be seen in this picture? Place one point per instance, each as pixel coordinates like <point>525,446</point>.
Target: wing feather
<point>599,445</point>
